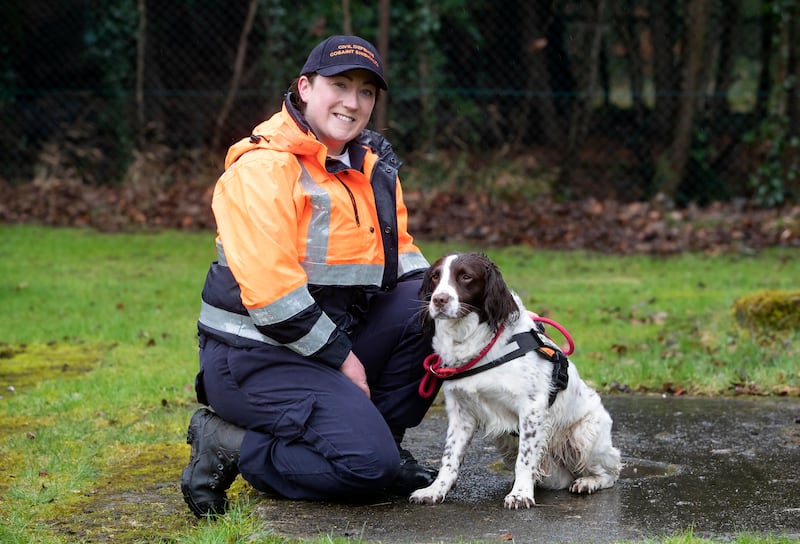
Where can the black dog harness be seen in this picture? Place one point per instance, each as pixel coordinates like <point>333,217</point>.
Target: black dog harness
<point>526,341</point>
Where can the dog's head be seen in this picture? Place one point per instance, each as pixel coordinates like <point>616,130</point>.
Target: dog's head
<point>462,283</point>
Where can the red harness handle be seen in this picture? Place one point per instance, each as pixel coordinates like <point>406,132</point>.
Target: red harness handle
<point>427,387</point>
<point>559,328</point>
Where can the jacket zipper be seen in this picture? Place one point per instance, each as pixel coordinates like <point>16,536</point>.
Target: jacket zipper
<point>352,200</point>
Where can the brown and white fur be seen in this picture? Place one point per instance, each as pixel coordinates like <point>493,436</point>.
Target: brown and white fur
<point>566,445</point>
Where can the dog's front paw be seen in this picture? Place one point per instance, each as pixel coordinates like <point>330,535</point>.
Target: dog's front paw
<point>426,495</point>
<point>585,486</point>
<point>515,501</point>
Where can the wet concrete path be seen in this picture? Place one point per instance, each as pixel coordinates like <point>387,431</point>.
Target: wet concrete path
<point>715,466</point>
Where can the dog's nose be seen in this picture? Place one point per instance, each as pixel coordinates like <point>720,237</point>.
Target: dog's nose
<point>440,299</point>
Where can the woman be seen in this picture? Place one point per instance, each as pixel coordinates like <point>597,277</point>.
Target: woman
<point>311,348</point>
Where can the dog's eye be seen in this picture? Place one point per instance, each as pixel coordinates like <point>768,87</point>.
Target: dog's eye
<point>465,277</point>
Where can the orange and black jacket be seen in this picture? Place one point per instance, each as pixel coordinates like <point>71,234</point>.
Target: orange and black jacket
<point>303,241</point>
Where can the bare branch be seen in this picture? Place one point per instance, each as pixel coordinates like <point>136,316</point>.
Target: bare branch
<point>241,53</point>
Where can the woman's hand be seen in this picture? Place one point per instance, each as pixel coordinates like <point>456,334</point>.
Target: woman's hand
<point>353,369</point>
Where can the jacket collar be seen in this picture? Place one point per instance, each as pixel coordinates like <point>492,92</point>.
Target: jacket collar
<point>290,103</point>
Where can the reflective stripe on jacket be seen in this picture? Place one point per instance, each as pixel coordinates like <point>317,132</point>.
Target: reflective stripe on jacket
<point>303,242</point>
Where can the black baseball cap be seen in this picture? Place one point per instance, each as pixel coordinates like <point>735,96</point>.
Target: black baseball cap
<point>339,54</point>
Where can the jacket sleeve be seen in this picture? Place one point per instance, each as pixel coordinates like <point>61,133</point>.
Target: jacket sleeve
<point>256,205</point>
<point>411,261</point>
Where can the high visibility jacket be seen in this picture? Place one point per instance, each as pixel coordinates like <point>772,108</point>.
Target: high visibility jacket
<point>303,241</point>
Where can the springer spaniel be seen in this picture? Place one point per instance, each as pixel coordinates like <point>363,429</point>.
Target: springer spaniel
<point>547,423</point>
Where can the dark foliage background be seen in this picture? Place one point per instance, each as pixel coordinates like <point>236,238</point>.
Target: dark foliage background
<point>629,112</point>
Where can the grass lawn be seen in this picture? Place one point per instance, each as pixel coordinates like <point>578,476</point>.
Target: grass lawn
<point>98,355</point>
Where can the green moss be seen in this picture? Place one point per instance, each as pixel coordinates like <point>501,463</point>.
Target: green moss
<point>769,311</point>
<point>24,365</point>
<point>125,492</point>
<point>135,497</point>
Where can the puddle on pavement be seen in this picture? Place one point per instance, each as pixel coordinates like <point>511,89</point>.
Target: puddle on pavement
<point>636,469</point>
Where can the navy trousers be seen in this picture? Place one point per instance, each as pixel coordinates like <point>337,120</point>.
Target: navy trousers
<point>311,433</point>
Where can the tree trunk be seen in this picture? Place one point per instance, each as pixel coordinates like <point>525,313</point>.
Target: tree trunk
<point>141,48</point>
<point>628,30</point>
<point>731,15</point>
<point>241,53</point>
<point>347,18</point>
<point>580,119</point>
<point>793,98</point>
<point>535,17</point>
<point>768,27</point>
<point>580,126</point>
<point>674,167</point>
<point>427,130</point>
<point>384,13</point>
<point>665,75</point>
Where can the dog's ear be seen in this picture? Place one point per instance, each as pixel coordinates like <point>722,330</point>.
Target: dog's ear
<point>426,288</point>
<point>499,303</point>
<point>425,293</point>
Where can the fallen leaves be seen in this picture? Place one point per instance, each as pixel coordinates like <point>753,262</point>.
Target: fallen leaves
<point>607,226</point>
<point>478,217</point>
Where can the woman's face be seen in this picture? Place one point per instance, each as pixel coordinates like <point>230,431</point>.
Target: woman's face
<point>338,107</point>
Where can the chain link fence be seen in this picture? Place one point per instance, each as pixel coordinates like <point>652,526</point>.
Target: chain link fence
<point>620,99</point>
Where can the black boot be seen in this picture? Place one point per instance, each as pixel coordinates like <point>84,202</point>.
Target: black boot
<point>213,463</point>
<point>412,475</point>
